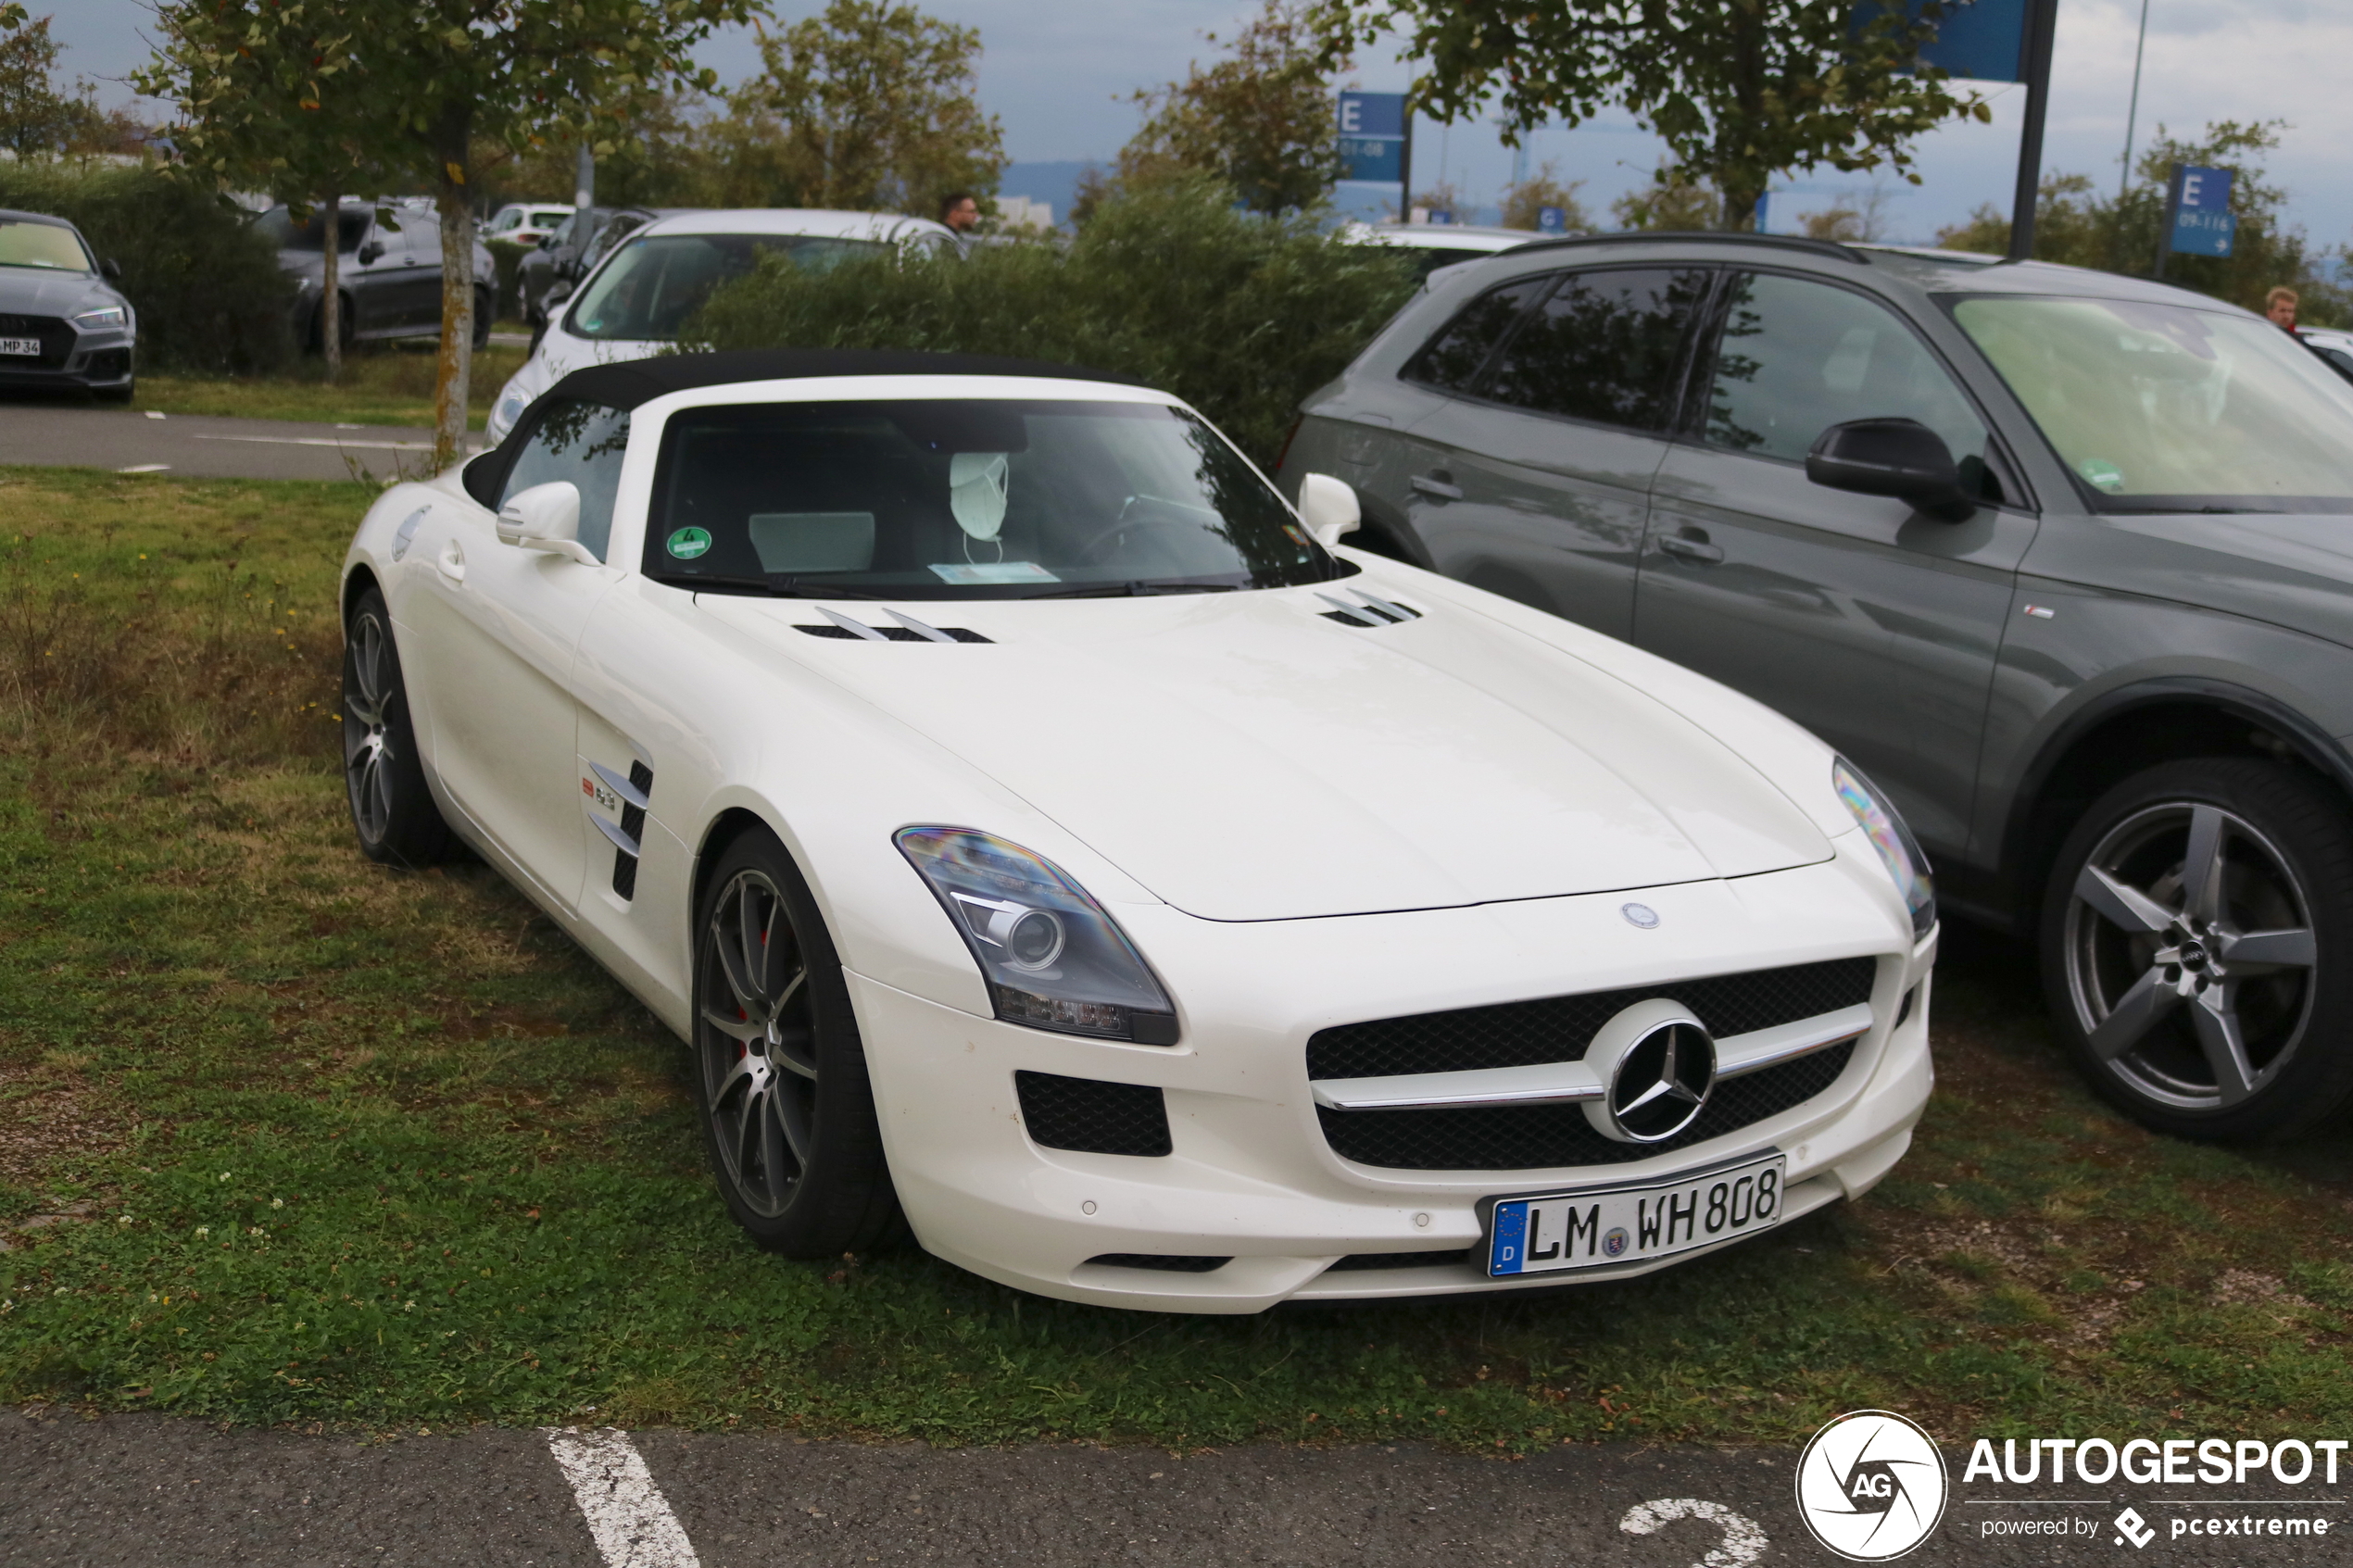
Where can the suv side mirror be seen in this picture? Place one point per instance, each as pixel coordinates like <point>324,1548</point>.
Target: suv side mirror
<point>370,252</point>
<point>545,517</point>
<point>558,293</point>
<point>111,270</point>
<point>1899,457</point>
<point>1327,507</point>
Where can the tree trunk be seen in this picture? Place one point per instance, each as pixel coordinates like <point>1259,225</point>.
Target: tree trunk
<point>331,288</point>
<point>457,313</point>
<point>1740,210</point>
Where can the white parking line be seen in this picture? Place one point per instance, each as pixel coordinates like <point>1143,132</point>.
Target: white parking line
<point>628,1517</point>
<point>1743,1543</point>
<point>324,441</point>
<point>144,468</point>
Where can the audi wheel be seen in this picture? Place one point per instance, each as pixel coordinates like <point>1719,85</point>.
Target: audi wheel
<point>2197,934</point>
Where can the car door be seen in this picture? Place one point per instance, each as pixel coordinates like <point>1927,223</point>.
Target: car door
<point>495,628</point>
<point>415,282</point>
<point>371,275</point>
<point>1538,468</point>
<point>1873,625</point>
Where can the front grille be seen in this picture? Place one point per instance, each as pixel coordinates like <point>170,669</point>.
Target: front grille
<point>1091,1117</point>
<point>1540,1136</point>
<point>56,340</point>
<point>1400,1260</point>
<point>1165,1262</point>
<point>1559,1028</point>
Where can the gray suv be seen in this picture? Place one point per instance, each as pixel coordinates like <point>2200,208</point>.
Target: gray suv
<point>2064,561</point>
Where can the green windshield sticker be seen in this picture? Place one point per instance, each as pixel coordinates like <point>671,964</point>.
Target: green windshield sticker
<point>2103,475</point>
<point>689,543</point>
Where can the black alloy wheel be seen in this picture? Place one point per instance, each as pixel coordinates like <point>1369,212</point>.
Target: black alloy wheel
<point>788,1117</point>
<point>2195,948</point>
<point>392,808</point>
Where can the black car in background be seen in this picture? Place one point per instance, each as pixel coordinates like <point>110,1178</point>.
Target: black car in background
<point>545,276</point>
<point>388,271</point>
<point>62,323</point>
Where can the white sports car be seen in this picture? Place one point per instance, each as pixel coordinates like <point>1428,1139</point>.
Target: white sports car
<point>1041,832</point>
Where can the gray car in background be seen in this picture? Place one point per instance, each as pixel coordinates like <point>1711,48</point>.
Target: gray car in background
<point>2062,560</point>
<point>63,324</point>
<point>389,272</point>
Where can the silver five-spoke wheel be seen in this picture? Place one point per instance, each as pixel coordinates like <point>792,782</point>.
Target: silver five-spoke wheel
<point>366,763</point>
<point>392,807</point>
<point>759,1048</point>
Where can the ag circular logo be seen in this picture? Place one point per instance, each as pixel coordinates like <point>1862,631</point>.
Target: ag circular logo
<point>1871,1485</point>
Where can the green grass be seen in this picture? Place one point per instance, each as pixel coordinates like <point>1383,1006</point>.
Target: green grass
<point>381,385</point>
<point>351,1145</point>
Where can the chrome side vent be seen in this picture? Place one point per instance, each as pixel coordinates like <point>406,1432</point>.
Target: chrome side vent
<point>909,629</point>
<point>637,796</point>
<point>1367,610</point>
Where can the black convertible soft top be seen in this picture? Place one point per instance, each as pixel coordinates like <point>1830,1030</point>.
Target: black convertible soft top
<point>633,382</point>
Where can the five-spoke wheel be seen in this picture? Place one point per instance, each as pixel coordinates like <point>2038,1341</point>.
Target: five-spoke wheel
<point>392,809</point>
<point>2187,932</point>
<point>787,1114</point>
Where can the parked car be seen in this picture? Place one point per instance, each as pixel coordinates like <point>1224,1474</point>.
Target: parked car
<point>569,252</point>
<point>62,321</point>
<point>650,278</point>
<point>1438,245</point>
<point>1035,826</point>
<point>524,225</point>
<point>2335,348</point>
<point>2061,558</point>
<point>388,271</point>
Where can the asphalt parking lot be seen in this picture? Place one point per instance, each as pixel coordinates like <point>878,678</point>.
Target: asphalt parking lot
<point>202,447</point>
<point>146,1489</point>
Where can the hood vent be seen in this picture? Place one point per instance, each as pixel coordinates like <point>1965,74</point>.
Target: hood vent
<point>909,629</point>
<point>1369,612</point>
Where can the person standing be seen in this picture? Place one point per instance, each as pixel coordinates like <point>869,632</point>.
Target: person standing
<point>961,211</point>
<point>2280,305</point>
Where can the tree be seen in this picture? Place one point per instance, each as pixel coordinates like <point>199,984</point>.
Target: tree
<point>1525,202</point>
<point>269,99</point>
<point>869,106</point>
<point>1852,218</point>
<point>2075,225</point>
<point>1669,202</point>
<point>1740,90</point>
<point>1260,121</point>
<point>37,118</point>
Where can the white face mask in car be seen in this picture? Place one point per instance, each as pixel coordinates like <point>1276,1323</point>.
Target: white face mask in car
<point>976,482</point>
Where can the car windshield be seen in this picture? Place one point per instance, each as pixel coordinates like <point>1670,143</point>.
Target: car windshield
<point>286,234</point>
<point>50,246</point>
<point>2169,407</point>
<point>652,284</point>
<point>956,498</point>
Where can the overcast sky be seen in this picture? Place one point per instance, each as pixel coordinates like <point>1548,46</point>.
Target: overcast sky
<point>1057,74</point>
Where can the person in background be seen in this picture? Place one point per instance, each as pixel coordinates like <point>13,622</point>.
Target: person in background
<point>2280,305</point>
<point>959,211</point>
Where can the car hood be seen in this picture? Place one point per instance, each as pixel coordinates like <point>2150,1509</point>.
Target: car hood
<point>31,291</point>
<point>1245,757</point>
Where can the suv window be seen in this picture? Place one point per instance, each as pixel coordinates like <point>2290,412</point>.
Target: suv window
<point>1602,346</point>
<point>1452,360</point>
<point>1798,357</point>
<point>583,443</point>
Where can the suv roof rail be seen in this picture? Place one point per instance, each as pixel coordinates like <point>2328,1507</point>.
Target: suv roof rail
<point>1711,236</point>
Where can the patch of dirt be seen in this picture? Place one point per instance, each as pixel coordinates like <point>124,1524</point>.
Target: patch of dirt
<point>45,1117</point>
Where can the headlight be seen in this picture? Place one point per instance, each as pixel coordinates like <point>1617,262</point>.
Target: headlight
<point>1898,851</point>
<point>99,320</point>
<point>510,409</point>
<point>1051,956</point>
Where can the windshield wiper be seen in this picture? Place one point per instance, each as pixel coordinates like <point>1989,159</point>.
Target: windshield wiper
<point>780,587</point>
<point>1137,590</point>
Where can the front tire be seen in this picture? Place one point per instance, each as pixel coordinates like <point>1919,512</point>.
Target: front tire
<point>788,1114</point>
<point>392,808</point>
<point>2198,950</point>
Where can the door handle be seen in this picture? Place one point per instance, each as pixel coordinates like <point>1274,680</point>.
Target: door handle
<point>1690,549</point>
<point>1435,485</point>
<point>452,561</point>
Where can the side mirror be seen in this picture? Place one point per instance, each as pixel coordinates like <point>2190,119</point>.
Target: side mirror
<point>371,252</point>
<point>558,293</point>
<point>545,517</point>
<point>1327,507</point>
<point>1902,459</point>
<point>111,270</point>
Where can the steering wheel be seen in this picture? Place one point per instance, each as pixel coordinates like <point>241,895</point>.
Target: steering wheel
<point>1084,554</point>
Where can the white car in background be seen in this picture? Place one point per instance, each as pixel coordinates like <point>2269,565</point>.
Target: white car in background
<point>1041,831</point>
<point>633,303</point>
<point>1440,245</point>
<point>525,224</point>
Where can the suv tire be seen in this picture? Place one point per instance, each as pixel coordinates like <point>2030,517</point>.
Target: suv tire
<point>2198,948</point>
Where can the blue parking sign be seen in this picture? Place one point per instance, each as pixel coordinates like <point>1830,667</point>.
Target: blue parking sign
<point>1551,220</point>
<point>1372,136</point>
<point>2203,221</point>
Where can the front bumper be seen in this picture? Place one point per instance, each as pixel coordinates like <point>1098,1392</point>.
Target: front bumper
<point>1251,1176</point>
<point>93,361</point>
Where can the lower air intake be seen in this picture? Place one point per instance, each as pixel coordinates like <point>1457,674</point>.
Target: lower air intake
<point>1165,1262</point>
<point>1091,1117</point>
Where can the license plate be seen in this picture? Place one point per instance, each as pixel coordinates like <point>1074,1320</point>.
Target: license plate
<point>1600,1226</point>
<point>25,346</point>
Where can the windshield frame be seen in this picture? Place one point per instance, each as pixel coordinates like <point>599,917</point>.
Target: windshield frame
<point>648,502</point>
<point>2095,500</point>
<point>620,248</point>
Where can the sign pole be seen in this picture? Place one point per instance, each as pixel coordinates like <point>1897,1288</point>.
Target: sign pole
<point>1405,168</point>
<point>2165,225</point>
<point>2040,23</point>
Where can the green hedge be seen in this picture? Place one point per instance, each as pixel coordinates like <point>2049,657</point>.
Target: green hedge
<point>1241,316</point>
<point>208,289</point>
